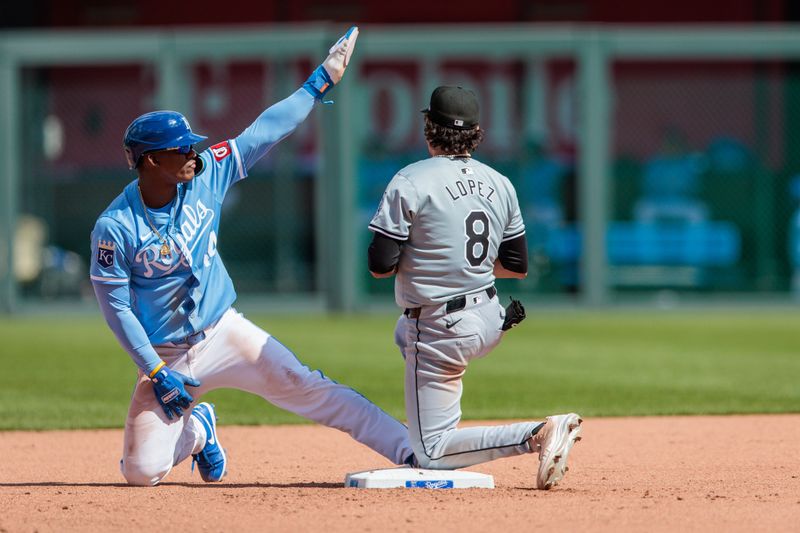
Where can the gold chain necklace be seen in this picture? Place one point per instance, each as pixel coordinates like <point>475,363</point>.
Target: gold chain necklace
<point>165,249</point>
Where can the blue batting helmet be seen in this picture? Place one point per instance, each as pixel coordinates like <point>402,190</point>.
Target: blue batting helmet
<point>157,130</point>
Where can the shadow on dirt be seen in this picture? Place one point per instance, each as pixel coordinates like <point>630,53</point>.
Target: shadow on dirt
<point>191,485</point>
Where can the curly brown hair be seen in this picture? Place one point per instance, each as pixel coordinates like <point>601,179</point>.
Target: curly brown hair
<point>451,140</point>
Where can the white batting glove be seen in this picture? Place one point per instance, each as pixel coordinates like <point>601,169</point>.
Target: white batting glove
<point>336,63</point>
<point>330,72</point>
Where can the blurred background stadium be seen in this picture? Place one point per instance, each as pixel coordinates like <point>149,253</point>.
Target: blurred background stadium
<point>655,149</point>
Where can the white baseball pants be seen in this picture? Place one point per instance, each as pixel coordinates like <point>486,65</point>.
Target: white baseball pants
<point>237,354</point>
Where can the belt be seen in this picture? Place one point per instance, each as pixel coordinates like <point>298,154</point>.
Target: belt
<point>194,338</point>
<point>454,304</point>
<point>188,341</point>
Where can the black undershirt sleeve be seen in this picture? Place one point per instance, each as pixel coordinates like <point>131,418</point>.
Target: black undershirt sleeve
<point>383,254</point>
<point>513,255</point>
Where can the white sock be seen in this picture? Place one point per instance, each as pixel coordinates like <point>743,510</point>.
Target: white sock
<point>200,436</point>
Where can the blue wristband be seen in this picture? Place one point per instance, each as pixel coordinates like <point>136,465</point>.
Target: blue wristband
<point>319,83</point>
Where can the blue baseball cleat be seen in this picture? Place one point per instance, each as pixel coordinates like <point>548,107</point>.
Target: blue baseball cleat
<point>211,461</point>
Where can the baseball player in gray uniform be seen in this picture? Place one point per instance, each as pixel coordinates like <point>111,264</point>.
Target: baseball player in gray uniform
<point>447,226</point>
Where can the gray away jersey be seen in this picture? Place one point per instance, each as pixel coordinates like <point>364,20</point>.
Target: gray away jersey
<point>452,214</point>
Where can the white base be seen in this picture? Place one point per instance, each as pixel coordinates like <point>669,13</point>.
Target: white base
<point>411,478</point>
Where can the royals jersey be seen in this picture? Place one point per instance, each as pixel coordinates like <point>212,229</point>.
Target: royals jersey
<point>178,294</point>
<point>451,214</point>
<point>183,292</point>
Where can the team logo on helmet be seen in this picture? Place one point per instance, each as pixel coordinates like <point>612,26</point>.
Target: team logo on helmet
<point>221,150</point>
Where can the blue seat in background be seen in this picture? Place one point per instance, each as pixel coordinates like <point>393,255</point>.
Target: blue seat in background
<point>703,244</point>
<point>728,154</point>
<point>540,198</point>
<point>670,185</point>
<point>794,229</point>
<point>794,237</point>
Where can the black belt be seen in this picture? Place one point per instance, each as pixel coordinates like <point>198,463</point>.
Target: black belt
<point>454,304</point>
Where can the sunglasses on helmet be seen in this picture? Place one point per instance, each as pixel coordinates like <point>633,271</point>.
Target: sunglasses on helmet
<point>183,150</point>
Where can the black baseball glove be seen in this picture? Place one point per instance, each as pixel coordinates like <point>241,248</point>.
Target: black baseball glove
<point>515,313</point>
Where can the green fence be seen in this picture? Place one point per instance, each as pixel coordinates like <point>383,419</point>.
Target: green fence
<point>645,159</point>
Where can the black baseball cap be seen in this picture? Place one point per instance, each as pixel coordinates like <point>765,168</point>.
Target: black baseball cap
<point>453,107</point>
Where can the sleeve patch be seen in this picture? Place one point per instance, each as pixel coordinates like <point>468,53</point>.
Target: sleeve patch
<point>105,253</point>
<point>221,150</point>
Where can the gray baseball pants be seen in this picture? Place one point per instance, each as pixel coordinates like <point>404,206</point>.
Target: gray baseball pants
<point>436,358</point>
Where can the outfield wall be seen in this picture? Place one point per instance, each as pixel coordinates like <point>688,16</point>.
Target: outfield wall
<point>646,159</point>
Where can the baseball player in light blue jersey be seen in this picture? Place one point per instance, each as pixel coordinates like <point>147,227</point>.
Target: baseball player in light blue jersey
<point>165,293</point>
<point>447,226</point>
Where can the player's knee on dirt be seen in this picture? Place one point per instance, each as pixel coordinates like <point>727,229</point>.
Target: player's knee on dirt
<point>143,475</point>
<point>428,451</point>
<point>431,463</point>
<point>423,461</point>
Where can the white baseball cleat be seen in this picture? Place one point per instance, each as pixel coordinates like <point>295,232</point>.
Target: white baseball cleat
<point>554,442</point>
<point>340,53</point>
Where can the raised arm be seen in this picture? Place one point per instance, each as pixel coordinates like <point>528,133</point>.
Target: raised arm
<point>282,118</point>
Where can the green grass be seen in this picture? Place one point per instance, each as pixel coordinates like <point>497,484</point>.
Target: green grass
<point>71,373</point>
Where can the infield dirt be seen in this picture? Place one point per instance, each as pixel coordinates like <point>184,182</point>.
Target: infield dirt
<point>732,473</point>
